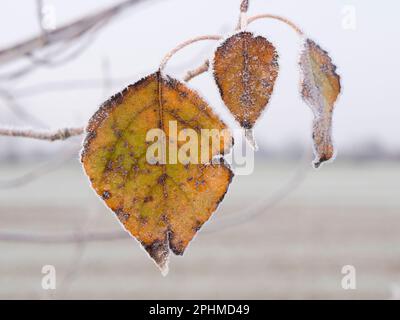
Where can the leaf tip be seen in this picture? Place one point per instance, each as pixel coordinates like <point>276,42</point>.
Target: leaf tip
<point>159,253</point>
<point>164,270</point>
<point>322,159</point>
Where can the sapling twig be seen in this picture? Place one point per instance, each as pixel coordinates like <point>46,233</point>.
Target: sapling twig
<point>185,44</point>
<point>276,17</point>
<point>59,134</point>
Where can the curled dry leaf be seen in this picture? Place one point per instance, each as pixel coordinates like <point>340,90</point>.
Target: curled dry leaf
<point>320,87</point>
<point>162,205</point>
<point>245,69</point>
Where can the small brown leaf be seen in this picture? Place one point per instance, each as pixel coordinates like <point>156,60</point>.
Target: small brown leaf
<point>245,69</point>
<point>320,87</point>
<point>163,205</point>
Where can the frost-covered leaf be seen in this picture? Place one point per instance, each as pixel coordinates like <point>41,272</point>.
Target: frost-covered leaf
<point>245,69</point>
<point>162,205</point>
<point>320,87</point>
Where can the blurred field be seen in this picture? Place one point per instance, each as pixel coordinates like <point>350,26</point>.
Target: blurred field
<point>345,213</point>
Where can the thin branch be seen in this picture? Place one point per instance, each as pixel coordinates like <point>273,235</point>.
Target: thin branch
<point>62,238</point>
<point>59,134</point>
<point>244,6</point>
<point>76,263</point>
<point>243,22</point>
<point>68,85</point>
<point>46,168</point>
<point>11,102</point>
<point>195,72</point>
<point>39,12</point>
<point>185,44</point>
<point>64,33</point>
<point>261,208</point>
<point>266,205</point>
<point>49,59</point>
<point>276,17</point>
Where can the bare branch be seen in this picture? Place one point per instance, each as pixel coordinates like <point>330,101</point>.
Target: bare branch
<point>68,85</point>
<point>39,11</point>
<point>64,33</point>
<point>266,204</point>
<point>54,164</point>
<point>195,72</point>
<point>11,102</point>
<point>62,238</point>
<point>49,59</point>
<point>244,6</point>
<point>76,263</point>
<point>60,134</point>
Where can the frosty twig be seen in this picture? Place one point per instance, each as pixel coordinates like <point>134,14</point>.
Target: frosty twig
<point>195,72</point>
<point>185,44</point>
<point>244,21</point>
<point>64,33</point>
<point>244,6</point>
<point>276,17</point>
<point>59,134</point>
<point>62,238</point>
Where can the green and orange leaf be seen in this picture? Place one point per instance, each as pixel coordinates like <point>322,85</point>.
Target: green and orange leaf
<point>162,205</point>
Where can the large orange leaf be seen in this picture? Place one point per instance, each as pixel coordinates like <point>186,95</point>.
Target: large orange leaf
<point>320,88</point>
<point>162,205</point>
<point>245,69</point>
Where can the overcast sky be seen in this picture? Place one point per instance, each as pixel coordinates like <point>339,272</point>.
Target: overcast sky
<point>133,44</point>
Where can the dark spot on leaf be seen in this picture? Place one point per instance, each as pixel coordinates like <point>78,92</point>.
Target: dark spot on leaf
<point>164,218</point>
<point>162,178</point>
<point>142,219</point>
<point>106,195</point>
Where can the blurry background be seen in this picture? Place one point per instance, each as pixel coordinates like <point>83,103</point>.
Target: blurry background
<point>285,231</point>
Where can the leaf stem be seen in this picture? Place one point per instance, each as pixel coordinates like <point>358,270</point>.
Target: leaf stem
<point>184,44</point>
<point>195,72</point>
<point>244,6</point>
<point>243,11</point>
<point>243,20</point>
<point>276,17</point>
